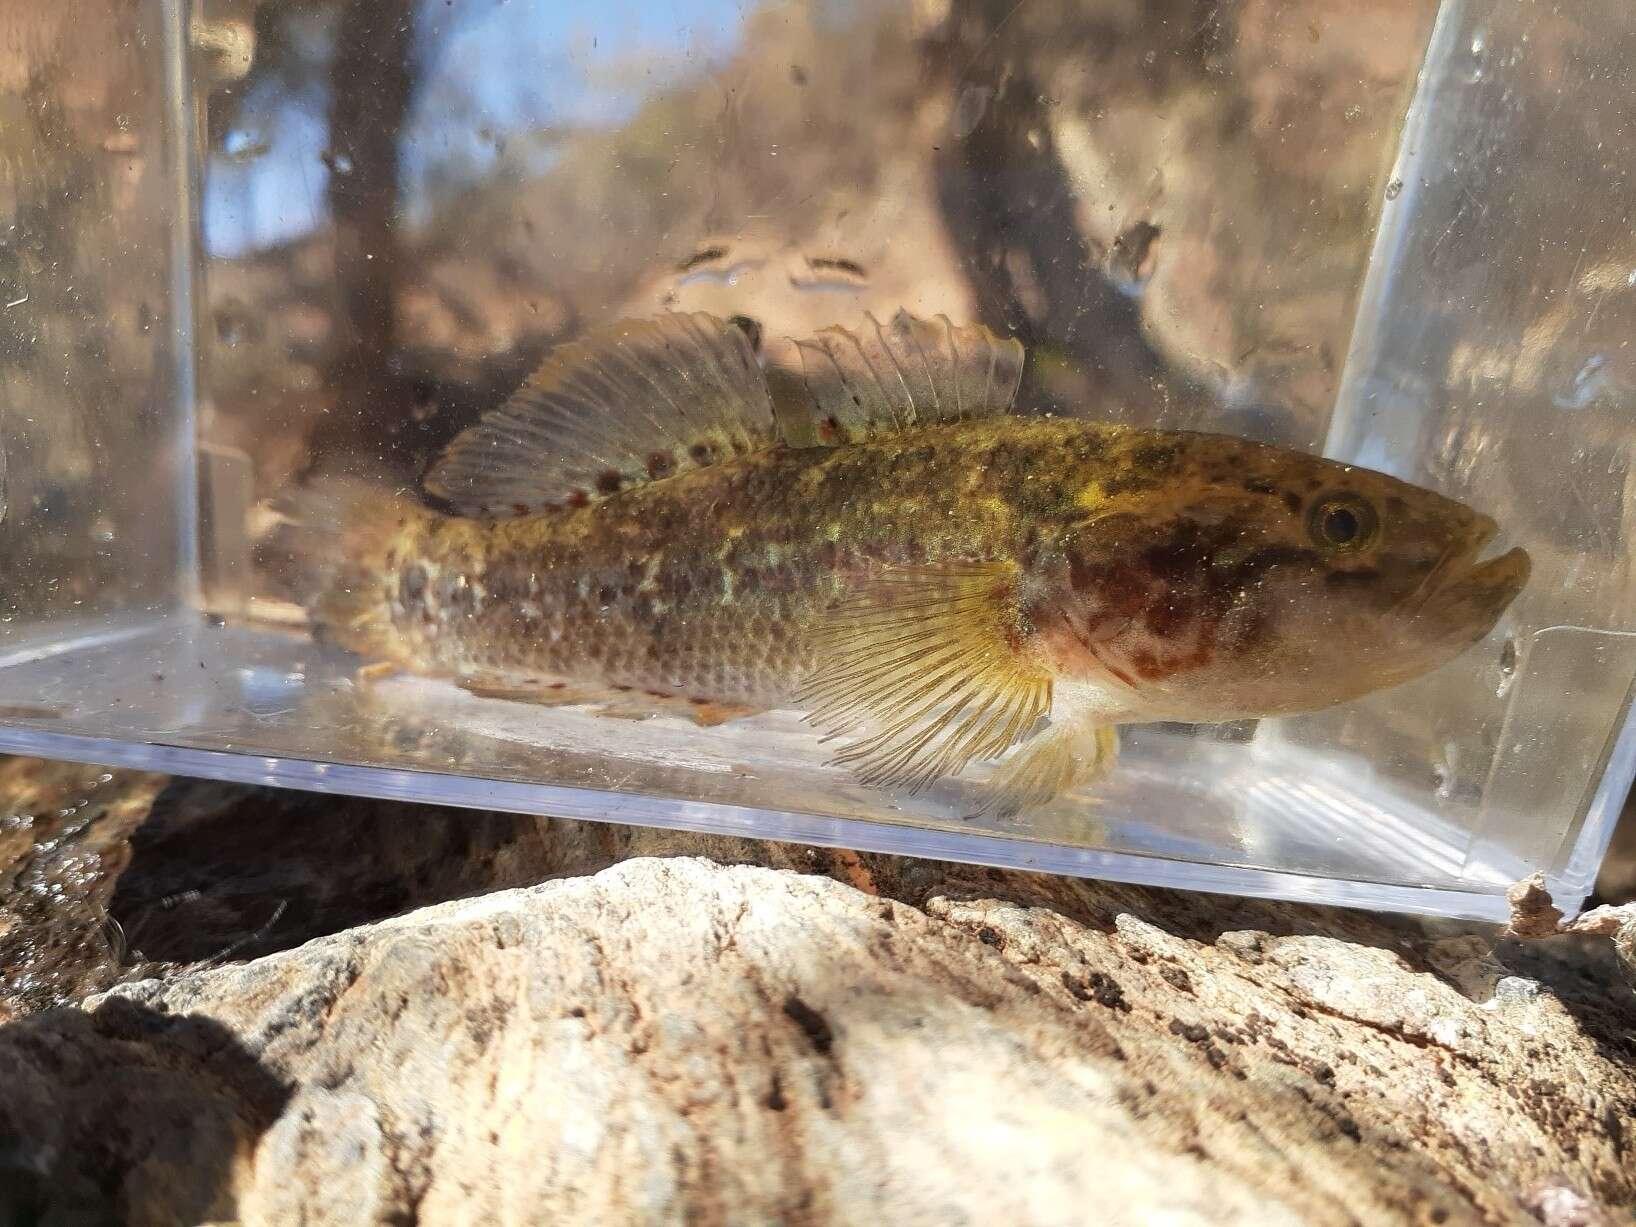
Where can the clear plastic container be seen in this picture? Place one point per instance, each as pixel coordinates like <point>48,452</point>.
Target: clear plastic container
<point>243,243</point>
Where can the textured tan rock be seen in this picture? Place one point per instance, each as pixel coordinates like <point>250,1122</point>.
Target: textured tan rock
<point>677,1041</point>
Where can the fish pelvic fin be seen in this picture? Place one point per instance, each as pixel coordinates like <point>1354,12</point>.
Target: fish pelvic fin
<point>920,670</point>
<point>338,534</point>
<point>629,403</point>
<point>1076,750</point>
<point>878,379</point>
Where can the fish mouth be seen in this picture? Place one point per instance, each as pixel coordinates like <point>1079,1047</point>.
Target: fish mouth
<point>1480,588</point>
<point>1510,569</point>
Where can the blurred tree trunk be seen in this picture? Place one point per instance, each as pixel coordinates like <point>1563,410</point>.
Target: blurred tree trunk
<point>1010,211</point>
<point>372,83</point>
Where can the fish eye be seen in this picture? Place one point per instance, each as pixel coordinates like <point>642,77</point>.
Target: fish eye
<point>1343,523</point>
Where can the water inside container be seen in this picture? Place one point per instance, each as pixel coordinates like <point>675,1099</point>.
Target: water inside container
<point>255,244</point>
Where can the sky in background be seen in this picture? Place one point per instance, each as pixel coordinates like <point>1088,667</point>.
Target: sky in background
<point>497,77</point>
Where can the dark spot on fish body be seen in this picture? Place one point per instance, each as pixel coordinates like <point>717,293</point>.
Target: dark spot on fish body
<point>1121,590</point>
<point>1200,655</point>
<point>1361,577</point>
<point>576,500</point>
<point>1146,665</point>
<point>1127,483</point>
<point>609,481</point>
<point>1169,614</point>
<point>1184,555</point>
<point>1262,559</point>
<point>412,586</point>
<point>1086,577</point>
<point>702,453</point>
<point>450,591</point>
<point>1256,486</point>
<point>1294,502</point>
<point>1042,500</point>
<point>1250,630</point>
<point>908,460</point>
<point>1157,458</point>
<point>505,587</point>
<point>1091,445</point>
<point>661,465</point>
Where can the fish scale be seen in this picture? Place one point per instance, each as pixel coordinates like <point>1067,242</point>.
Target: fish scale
<point>649,593</point>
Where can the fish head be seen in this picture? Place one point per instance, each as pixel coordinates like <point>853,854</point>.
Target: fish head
<point>1256,581</point>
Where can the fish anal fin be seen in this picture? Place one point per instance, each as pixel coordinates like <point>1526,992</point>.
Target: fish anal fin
<point>615,702</point>
<point>878,379</point>
<point>633,402</point>
<point>645,704</point>
<point>708,713</point>
<point>541,691</point>
<point>920,670</point>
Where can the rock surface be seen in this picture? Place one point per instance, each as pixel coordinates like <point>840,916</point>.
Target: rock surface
<point>674,1040</point>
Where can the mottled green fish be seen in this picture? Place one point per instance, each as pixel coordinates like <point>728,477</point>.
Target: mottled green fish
<point>932,580</point>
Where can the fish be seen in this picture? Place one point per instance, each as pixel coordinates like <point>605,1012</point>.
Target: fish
<point>932,578</point>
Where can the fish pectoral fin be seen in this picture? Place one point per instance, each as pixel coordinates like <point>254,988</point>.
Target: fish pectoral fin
<point>919,669</point>
<point>615,702</point>
<point>878,379</point>
<point>1070,754</point>
<point>630,403</point>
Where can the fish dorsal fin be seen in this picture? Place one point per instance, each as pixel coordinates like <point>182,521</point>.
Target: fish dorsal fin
<point>919,670</point>
<point>878,379</point>
<point>629,403</point>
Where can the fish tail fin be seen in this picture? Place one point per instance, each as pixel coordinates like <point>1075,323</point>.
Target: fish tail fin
<point>339,537</point>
